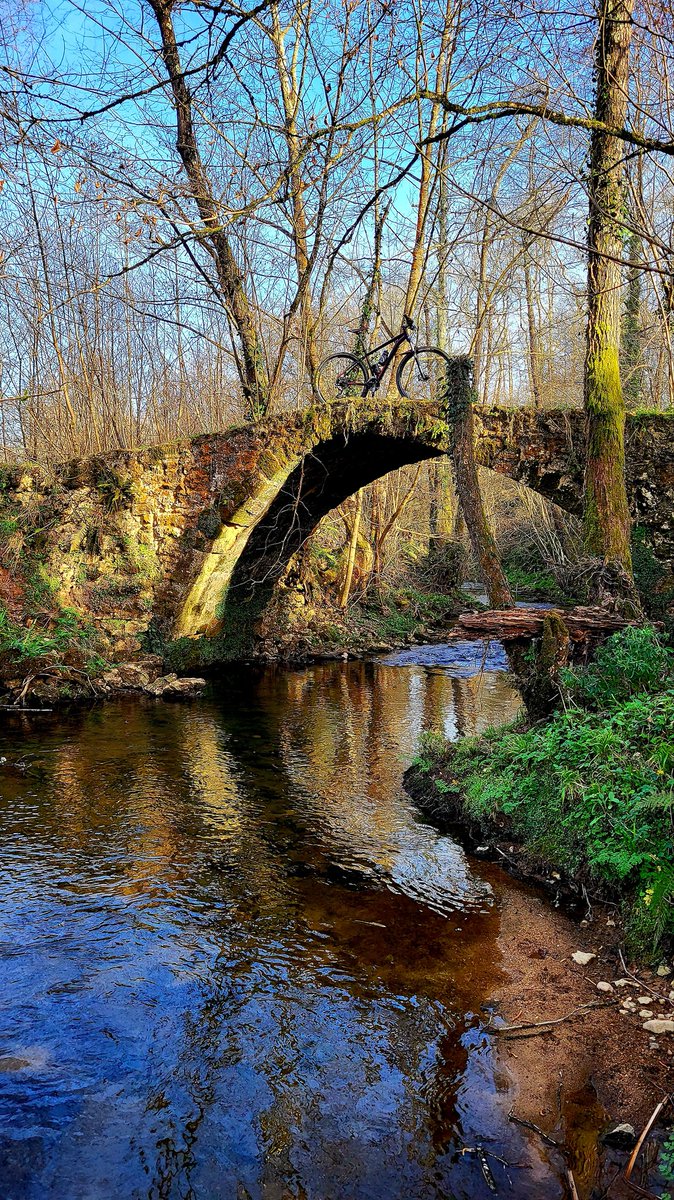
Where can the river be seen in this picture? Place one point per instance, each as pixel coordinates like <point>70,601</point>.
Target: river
<point>234,960</point>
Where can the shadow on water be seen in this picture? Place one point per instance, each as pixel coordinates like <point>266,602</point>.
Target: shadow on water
<point>234,961</point>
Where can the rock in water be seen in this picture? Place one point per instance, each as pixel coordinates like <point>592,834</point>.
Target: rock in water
<point>619,1136</point>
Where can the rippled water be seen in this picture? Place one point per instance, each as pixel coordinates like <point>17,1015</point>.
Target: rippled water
<point>234,962</point>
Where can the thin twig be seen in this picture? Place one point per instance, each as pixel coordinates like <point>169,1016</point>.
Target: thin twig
<point>533,1025</point>
<point>644,1134</point>
<point>640,982</point>
<point>637,1188</point>
<point>19,708</point>
<point>572,1184</point>
<point>530,1125</point>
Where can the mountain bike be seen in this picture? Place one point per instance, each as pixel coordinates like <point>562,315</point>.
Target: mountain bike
<point>419,375</point>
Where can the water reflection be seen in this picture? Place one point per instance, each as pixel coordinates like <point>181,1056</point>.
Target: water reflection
<point>235,963</point>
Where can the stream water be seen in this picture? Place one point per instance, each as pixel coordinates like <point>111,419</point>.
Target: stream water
<point>234,960</point>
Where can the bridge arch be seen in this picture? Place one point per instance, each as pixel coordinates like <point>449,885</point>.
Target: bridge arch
<point>305,466</point>
<point>253,549</point>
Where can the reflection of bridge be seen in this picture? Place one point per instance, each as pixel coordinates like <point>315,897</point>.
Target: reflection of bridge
<point>223,511</point>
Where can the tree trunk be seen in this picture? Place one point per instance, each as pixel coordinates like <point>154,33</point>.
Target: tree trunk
<point>371,301</point>
<point>291,101</point>
<point>631,355</point>
<point>353,546</point>
<point>428,172</point>
<point>534,348</point>
<point>607,520</point>
<point>254,378</point>
<point>443,254</point>
<point>441,500</point>
<point>458,398</point>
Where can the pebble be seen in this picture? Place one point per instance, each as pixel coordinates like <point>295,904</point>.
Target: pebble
<point>659,1025</point>
<point>663,970</point>
<point>603,986</point>
<point>643,999</point>
<point>624,983</point>
<point>646,1012</point>
<point>582,957</point>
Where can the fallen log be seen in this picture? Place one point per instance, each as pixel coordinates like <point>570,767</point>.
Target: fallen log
<point>515,624</point>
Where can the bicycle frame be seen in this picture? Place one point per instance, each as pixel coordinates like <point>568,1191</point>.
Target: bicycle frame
<point>378,369</point>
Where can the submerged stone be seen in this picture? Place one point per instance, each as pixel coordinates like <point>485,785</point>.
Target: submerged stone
<point>619,1136</point>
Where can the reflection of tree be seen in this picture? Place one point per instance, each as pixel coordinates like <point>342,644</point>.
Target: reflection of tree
<point>298,926</point>
<point>485,699</point>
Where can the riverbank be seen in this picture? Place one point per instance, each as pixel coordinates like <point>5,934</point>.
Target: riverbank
<point>585,798</point>
<point>580,1061</point>
<point>571,1020</point>
<point>51,658</point>
<point>581,805</point>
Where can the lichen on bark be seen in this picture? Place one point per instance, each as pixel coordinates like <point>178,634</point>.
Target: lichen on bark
<point>607,518</point>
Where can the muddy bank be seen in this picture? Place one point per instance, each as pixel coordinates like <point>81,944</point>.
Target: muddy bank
<point>594,1068</point>
<point>570,1030</point>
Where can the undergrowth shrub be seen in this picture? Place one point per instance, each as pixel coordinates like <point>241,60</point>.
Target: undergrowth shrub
<point>666,1163</point>
<point>115,489</point>
<point>632,661</point>
<point>40,639</point>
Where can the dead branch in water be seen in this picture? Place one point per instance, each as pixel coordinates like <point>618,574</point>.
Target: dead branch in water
<point>572,1184</point>
<point>543,1026</point>
<point>534,1128</point>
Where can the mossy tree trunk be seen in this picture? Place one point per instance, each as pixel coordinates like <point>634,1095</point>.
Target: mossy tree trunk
<point>607,520</point>
<point>459,412</point>
<point>536,666</point>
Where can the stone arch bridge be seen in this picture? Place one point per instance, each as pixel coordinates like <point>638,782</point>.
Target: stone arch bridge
<point>188,539</point>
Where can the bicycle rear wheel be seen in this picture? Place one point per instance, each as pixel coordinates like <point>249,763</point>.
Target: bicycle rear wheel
<point>421,374</point>
<point>341,377</point>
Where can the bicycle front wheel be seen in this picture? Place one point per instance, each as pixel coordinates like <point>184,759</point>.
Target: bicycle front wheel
<point>341,377</point>
<point>421,374</point>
